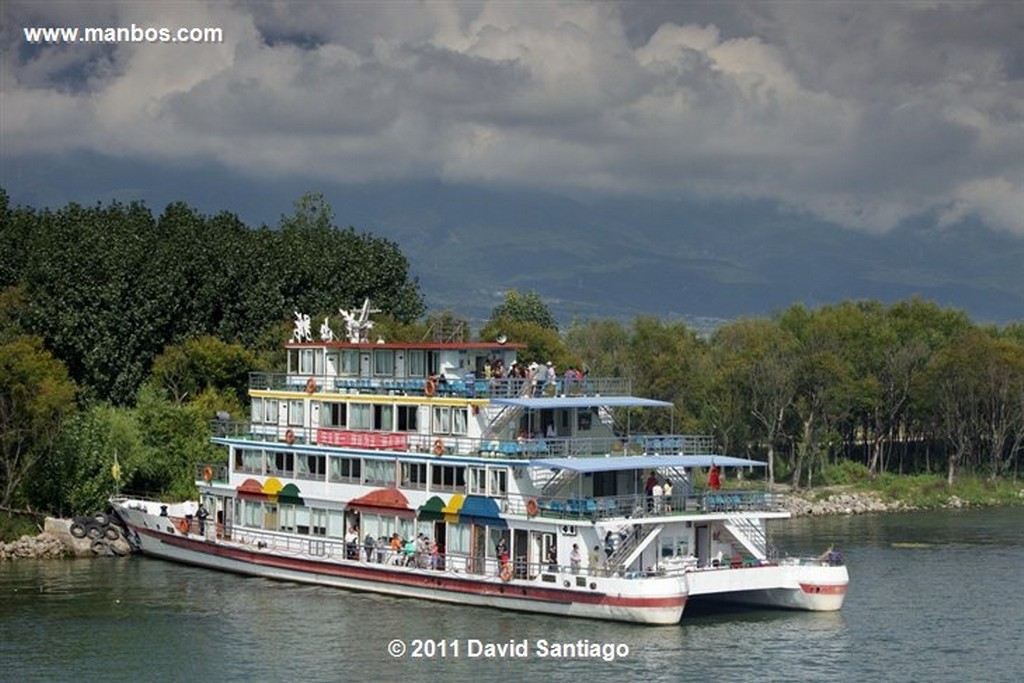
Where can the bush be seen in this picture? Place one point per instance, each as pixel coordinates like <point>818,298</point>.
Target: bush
<point>846,472</point>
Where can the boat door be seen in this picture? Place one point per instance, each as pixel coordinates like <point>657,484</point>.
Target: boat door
<point>365,369</point>
<point>225,517</point>
<point>521,552</point>
<point>703,545</point>
<point>478,543</point>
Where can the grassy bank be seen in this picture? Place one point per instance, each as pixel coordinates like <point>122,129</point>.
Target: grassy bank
<point>14,525</point>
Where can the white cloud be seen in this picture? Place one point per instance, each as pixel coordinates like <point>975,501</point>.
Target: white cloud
<point>864,115</point>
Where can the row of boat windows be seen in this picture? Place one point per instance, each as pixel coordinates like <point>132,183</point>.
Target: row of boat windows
<point>384,472</point>
<point>345,362</point>
<point>385,417</point>
<point>314,521</point>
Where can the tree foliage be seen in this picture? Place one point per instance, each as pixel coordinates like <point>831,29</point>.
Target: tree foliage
<point>36,395</point>
<point>109,287</point>
<point>527,307</point>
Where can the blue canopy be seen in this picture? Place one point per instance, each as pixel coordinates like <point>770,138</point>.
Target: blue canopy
<point>641,462</point>
<point>481,510</point>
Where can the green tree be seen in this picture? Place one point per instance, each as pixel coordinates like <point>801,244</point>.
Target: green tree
<point>526,307</point>
<point>36,395</point>
<point>99,449</point>
<point>185,370</point>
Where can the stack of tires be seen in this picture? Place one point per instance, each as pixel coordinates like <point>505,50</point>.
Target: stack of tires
<point>102,530</point>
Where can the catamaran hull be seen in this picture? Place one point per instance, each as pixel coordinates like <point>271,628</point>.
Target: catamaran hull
<point>814,588</point>
<point>648,601</point>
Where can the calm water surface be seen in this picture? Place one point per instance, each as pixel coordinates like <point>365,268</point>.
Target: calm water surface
<point>934,597</point>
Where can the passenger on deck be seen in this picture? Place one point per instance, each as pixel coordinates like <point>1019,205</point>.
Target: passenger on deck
<point>575,557</point>
<point>609,545</point>
<point>552,559</point>
<point>652,481</point>
<point>656,494</point>
<point>666,493</point>
<point>714,480</point>
<point>594,560</point>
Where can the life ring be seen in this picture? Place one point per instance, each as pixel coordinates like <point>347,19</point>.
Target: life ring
<point>439,447</point>
<point>183,526</point>
<point>310,386</point>
<point>506,572</point>
<point>289,437</point>
<point>532,508</point>
<point>208,474</point>
<point>431,387</point>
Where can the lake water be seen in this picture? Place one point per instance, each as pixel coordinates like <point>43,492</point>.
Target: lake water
<point>934,597</point>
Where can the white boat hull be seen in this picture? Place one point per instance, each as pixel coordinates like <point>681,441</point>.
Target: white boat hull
<point>814,587</point>
<point>651,600</point>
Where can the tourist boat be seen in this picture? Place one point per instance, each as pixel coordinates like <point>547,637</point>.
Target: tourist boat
<point>521,493</point>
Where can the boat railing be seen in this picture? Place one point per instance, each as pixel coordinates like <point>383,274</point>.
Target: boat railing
<point>451,444</point>
<point>556,570</point>
<point>464,387</point>
<point>638,506</point>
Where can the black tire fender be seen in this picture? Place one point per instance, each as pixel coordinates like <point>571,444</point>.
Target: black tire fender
<point>101,518</point>
<point>77,529</point>
<point>94,531</point>
<point>112,532</point>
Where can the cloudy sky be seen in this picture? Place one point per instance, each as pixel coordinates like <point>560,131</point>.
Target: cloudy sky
<point>861,116</point>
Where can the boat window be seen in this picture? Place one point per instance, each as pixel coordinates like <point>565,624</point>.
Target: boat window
<point>416,364</point>
<point>332,415</point>
<point>302,520</point>
<point>296,412</point>
<point>383,362</point>
<point>335,523</point>
<point>249,460</point>
<point>350,362</point>
<point>333,363</point>
<point>270,412</point>
<point>442,419</point>
<point>360,416</point>
<point>286,518</point>
<point>448,478</point>
<point>306,362</point>
<point>478,481</point>
<point>383,417</point>
<point>380,472</point>
<point>499,482</point>
<point>280,463</point>
<point>414,475</point>
<point>257,410</point>
<point>345,469</point>
<point>458,539</point>
<point>311,466</point>
<point>460,420</point>
<point>407,421</point>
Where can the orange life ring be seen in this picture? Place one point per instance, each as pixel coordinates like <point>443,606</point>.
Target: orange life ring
<point>532,508</point>
<point>310,386</point>
<point>431,387</point>
<point>183,526</point>
<point>289,437</point>
<point>439,447</point>
<point>208,474</point>
<point>506,572</point>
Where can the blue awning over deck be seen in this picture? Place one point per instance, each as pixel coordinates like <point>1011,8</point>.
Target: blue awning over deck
<point>550,402</point>
<point>641,462</point>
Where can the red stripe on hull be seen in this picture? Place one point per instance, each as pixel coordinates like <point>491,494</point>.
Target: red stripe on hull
<point>382,574</point>
<point>826,589</point>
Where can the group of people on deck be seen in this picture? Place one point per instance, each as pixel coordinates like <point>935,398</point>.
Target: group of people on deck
<point>659,494</point>
<point>418,552</point>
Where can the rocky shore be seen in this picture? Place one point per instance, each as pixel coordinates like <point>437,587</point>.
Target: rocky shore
<point>57,541</point>
<point>851,503</point>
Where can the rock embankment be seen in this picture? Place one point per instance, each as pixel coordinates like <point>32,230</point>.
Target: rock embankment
<point>845,503</point>
<point>80,537</point>
<point>41,547</point>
